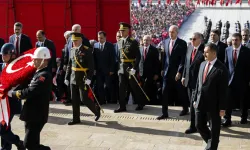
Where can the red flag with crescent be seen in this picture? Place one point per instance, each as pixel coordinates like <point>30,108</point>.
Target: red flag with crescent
<point>13,74</point>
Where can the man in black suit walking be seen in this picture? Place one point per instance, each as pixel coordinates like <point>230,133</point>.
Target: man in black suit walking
<point>21,41</point>
<point>104,57</point>
<point>149,68</point>
<point>172,68</point>
<point>221,47</point>
<point>194,58</point>
<point>210,98</point>
<point>238,64</point>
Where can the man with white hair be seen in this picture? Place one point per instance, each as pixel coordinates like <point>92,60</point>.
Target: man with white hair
<point>172,68</point>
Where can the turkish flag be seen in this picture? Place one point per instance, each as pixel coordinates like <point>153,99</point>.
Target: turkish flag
<point>13,74</point>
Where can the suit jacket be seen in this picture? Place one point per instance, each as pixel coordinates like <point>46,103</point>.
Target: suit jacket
<point>211,96</point>
<point>171,64</point>
<point>37,95</point>
<point>51,46</point>
<point>221,51</point>
<point>85,42</point>
<point>104,59</point>
<point>150,66</point>
<point>84,56</point>
<point>25,43</point>
<point>1,44</point>
<point>239,75</point>
<point>191,69</point>
<point>247,44</point>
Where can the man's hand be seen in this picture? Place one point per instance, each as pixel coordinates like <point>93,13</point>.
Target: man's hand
<point>183,81</point>
<point>156,77</point>
<point>222,113</point>
<point>87,81</point>
<point>66,82</point>
<point>111,73</point>
<point>178,76</point>
<point>132,71</point>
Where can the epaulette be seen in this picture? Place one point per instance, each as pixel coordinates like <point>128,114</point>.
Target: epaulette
<point>86,47</point>
<point>132,39</point>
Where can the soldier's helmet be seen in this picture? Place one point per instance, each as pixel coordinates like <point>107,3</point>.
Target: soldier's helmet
<point>8,48</point>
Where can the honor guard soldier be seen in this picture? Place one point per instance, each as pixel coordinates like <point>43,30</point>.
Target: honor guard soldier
<point>36,107</point>
<point>79,72</point>
<point>129,62</point>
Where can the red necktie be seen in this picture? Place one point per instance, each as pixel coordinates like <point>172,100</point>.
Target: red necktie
<point>17,46</point>
<point>145,53</point>
<point>171,47</point>
<point>193,55</point>
<point>206,72</point>
<point>235,56</point>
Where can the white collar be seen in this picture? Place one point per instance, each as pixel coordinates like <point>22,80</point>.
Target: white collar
<point>19,35</point>
<point>197,47</point>
<point>216,43</point>
<point>102,43</point>
<point>238,49</point>
<point>213,61</point>
<point>146,47</point>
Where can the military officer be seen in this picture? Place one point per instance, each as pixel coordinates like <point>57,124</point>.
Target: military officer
<point>129,62</point>
<point>36,107</point>
<point>79,72</point>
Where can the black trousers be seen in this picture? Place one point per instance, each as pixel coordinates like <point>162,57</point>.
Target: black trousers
<point>211,137</point>
<point>7,136</point>
<point>171,90</point>
<point>149,87</point>
<point>240,96</point>
<point>105,87</point>
<point>192,110</point>
<point>78,94</point>
<point>126,81</point>
<point>32,135</point>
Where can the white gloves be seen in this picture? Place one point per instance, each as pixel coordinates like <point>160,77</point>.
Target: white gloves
<point>132,71</point>
<point>87,81</point>
<point>66,82</point>
<point>10,93</point>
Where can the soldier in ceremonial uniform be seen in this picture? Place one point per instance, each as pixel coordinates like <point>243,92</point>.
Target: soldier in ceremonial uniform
<point>129,62</point>
<point>36,106</point>
<point>79,73</point>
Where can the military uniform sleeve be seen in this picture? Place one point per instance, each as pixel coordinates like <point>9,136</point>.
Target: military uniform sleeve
<point>35,87</point>
<point>91,64</point>
<point>68,70</point>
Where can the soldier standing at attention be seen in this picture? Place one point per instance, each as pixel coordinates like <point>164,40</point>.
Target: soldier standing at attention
<point>129,59</point>
<point>79,72</point>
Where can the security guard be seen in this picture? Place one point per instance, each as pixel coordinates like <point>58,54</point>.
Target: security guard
<point>36,106</point>
<point>129,62</point>
<point>79,72</point>
<point>8,138</point>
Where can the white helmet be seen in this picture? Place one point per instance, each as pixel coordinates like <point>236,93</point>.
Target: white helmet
<point>42,53</point>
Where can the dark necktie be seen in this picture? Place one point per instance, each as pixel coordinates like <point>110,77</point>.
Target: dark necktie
<point>206,72</point>
<point>145,52</point>
<point>17,46</point>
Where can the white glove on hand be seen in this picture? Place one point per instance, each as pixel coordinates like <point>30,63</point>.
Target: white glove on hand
<point>87,81</point>
<point>10,93</point>
<point>132,71</point>
<point>66,82</point>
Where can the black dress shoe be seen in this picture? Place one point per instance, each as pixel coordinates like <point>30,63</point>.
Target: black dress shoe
<point>162,117</point>
<point>243,121</point>
<point>120,110</point>
<point>73,122</point>
<point>42,147</point>
<point>226,123</point>
<point>98,115</point>
<point>191,130</point>
<point>183,112</point>
<point>20,145</point>
<point>139,108</point>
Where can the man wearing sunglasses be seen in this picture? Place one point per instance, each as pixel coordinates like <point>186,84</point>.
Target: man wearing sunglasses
<point>194,57</point>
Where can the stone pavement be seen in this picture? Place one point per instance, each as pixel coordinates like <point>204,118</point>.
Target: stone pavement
<point>129,131</point>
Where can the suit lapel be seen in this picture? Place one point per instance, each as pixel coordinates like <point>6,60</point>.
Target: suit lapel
<point>175,45</point>
<point>148,52</point>
<point>167,47</point>
<point>240,55</point>
<point>212,70</point>
<point>202,71</point>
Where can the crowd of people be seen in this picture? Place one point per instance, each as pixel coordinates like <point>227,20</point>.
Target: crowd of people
<point>155,20</point>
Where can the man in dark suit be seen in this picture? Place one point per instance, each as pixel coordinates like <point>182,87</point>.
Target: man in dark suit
<point>194,58</point>
<point>210,98</point>
<point>104,57</point>
<point>172,68</point>
<point>44,42</point>
<point>149,68</point>
<point>238,64</point>
<point>221,47</point>
<point>21,41</point>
